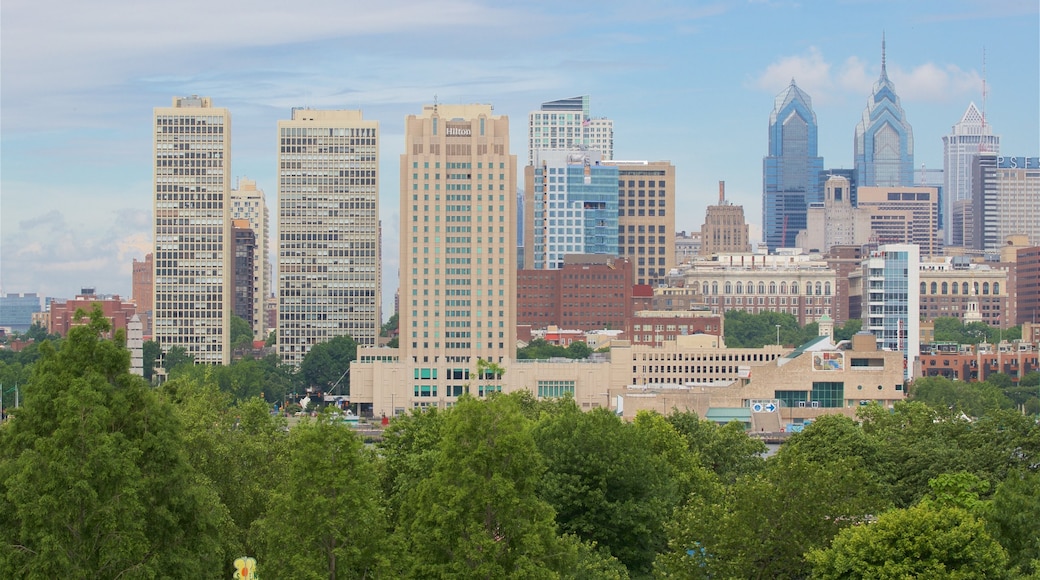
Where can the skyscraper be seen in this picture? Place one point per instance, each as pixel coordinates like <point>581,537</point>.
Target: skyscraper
<point>192,233</point>
<point>790,172</point>
<point>646,218</point>
<point>244,250</point>
<point>1005,200</point>
<point>458,241</point>
<point>891,300</point>
<point>884,141</point>
<point>249,203</point>
<point>970,137</point>
<point>572,207</point>
<point>328,229</point>
<point>725,230</point>
<point>566,125</point>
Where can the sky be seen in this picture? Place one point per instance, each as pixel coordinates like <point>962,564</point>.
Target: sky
<point>687,81</point>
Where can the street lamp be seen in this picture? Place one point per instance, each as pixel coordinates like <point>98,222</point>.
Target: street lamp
<point>777,335</point>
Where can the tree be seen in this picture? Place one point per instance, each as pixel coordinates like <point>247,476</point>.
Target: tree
<point>747,330</point>
<point>611,482</point>
<point>175,357</point>
<point>326,362</point>
<point>1012,519</point>
<point>726,450</point>
<point>476,513</point>
<point>578,349</point>
<point>94,482</point>
<point>151,352</point>
<point>848,330</point>
<point>325,519</point>
<point>272,339</point>
<point>972,399</point>
<point>241,333</point>
<point>390,326</point>
<point>924,541</point>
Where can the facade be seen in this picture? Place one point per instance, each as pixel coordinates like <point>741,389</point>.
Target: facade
<point>1027,284</point>
<point>968,138</point>
<point>891,302</point>
<point>971,363</point>
<point>118,311</point>
<point>901,215</point>
<point>244,252</point>
<point>1005,200</point>
<point>458,240</point>
<point>192,234</point>
<point>833,222</point>
<point>725,230</point>
<point>572,208</point>
<point>657,327</point>
<point>954,287</point>
<point>590,292</point>
<point>328,228</point>
<point>790,170</point>
<point>845,260</point>
<point>884,140</point>
<point>687,246</point>
<point>566,125</point>
<point>800,285</point>
<point>144,291</point>
<point>249,203</point>
<point>646,218</point>
<point>16,310</point>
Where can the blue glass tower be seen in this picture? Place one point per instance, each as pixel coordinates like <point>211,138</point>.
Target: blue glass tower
<point>791,171</point>
<point>574,208</point>
<point>884,144</point>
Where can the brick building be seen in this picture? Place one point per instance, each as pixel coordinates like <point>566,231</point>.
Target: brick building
<point>590,292</point>
<point>63,312</point>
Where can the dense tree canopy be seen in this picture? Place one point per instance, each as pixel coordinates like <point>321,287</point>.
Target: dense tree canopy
<point>327,362</point>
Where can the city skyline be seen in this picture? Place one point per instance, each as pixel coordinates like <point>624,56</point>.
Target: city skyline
<point>689,84</point>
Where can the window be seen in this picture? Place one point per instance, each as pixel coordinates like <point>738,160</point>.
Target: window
<point>946,287</point>
<point>829,394</point>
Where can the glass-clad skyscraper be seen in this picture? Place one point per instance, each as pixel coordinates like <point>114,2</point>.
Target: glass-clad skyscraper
<point>572,207</point>
<point>791,170</point>
<point>884,143</point>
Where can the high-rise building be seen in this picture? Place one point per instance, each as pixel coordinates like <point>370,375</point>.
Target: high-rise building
<point>144,291</point>
<point>900,215</point>
<point>833,221</point>
<point>192,233</point>
<point>328,229</point>
<point>244,251</point>
<point>16,310</point>
<point>884,141</point>
<point>566,125</point>
<point>724,230</point>
<point>249,203</point>
<point>891,301</point>
<point>1005,200</point>
<point>646,218</point>
<point>790,172</point>
<point>970,137</point>
<point>571,202</point>
<point>458,240</point>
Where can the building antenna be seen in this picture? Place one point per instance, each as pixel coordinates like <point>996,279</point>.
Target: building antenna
<point>883,72</point>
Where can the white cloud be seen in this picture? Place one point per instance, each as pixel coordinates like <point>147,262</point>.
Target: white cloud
<point>934,84</point>
<point>810,71</point>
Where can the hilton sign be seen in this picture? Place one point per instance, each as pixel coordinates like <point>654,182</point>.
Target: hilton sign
<point>458,131</point>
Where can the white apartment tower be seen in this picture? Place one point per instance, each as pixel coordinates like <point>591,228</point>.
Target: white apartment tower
<point>328,229</point>
<point>565,125</point>
<point>891,301</point>
<point>970,137</point>
<point>458,239</point>
<point>192,275</point>
<point>249,203</point>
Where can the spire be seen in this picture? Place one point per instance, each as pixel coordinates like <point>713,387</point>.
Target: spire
<point>884,73</point>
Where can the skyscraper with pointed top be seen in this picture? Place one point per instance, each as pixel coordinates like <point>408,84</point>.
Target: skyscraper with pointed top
<point>790,171</point>
<point>970,137</point>
<point>884,143</point>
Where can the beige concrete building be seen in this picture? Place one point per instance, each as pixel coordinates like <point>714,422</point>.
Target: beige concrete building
<point>833,222</point>
<point>724,230</point>
<point>955,287</point>
<point>192,232</point>
<point>249,203</point>
<point>328,226</point>
<point>458,239</point>
<point>646,218</point>
<point>902,215</point>
<point>687,246</point>
<point>797,284</point>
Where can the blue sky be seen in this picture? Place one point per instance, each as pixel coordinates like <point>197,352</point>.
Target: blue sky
<point>688,81</point>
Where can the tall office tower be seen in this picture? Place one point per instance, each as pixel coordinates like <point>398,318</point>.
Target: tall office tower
<point>884,142</point>
<point>143,291</point>
<point>646,218</point>
<point>458,239</point>
<point>572,207</point>
<point>328,230</point>
<point>891,300</point>
<point>193,266</point>
<point>968,138</point>
<point>832,222</point>
<point>791,171</point>
<point>244,239</point>
<point>900,215</point>
<point>249,203</point>
<point>565,125</point>
<point>725,230</point>
<point>1005,200</point>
